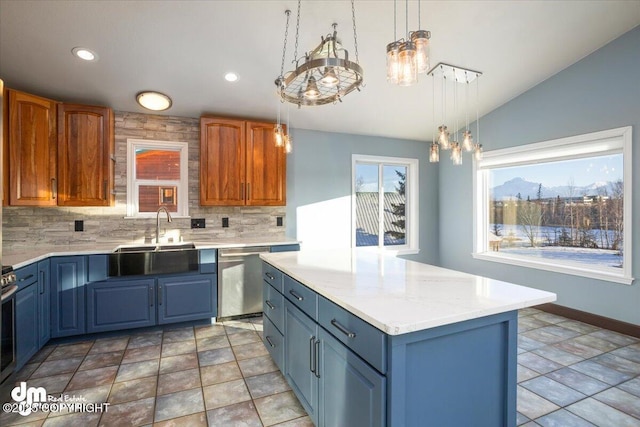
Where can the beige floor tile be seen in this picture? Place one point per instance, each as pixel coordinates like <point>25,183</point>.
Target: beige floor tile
<point>215,374</point>
<point>223,394</point>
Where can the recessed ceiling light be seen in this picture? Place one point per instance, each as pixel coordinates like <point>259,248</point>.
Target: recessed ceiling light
<point>84,53</point>
<point>231,77</point>
<point>152,100</point>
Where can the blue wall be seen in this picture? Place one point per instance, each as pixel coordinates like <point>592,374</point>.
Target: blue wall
<point>319,187</point>
<point>602,91</point>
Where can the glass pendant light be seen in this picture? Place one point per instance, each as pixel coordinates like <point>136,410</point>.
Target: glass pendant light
<point>312,91</point>
<point>393,62</point>
<point>477,153</point>
<point>434,154</point>
<point>277,133</point>
<point>467,142</point>
<point>408,68</point>
<point>443,132</point>
<point>329,79</point>
<point>288,147</point>
<point>456,154</point>
<point>421,39</point>
<point>443,137</point>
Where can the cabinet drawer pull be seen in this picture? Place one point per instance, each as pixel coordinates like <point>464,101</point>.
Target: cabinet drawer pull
<point>242,191</point>
<point>104,189</point>
<point>268,338</point>
<point>270,276</point>
<point>41,282</point>
<point>54,188</point>
<point>271,306</point>
<point>342,329</point>
<point>312,354</point>
<point>26,278</point>
<point>151,296</point>
<point>159,295</point>
<point>316,358</point>
<point>295,295</point>
<point>248,191</point>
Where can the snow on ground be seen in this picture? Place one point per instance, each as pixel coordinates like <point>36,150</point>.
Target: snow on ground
<point>602,257</point>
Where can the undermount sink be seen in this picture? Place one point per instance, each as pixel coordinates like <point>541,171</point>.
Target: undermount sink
<point>153,259</point>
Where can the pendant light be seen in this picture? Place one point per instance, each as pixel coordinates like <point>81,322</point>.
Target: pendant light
<point>434,153</point>
<point>421,39</point>
<point>288,141</point>
<point>407,57</point>
<point>443,139</point>
<point>323,75</point>
<point>467,141</point>
<point>478,147</point>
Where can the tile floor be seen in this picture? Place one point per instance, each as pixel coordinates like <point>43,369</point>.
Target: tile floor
<point>570,374</point>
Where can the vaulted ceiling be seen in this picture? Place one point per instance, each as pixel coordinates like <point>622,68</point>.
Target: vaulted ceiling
<point>184,48</point>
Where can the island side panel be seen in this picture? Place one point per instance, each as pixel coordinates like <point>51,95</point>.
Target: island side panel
<point>463,374</point>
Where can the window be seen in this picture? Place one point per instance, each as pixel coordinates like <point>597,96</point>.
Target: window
<point>156,176</point>
<point>385,203</point>
<point>561,205</point>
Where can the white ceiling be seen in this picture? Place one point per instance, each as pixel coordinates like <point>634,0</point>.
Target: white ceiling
<point>183,48</point>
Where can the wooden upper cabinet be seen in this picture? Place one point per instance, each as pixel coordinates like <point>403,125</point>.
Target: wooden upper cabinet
<point>31,150</point>
<point>222,162</point>
<point>266,167</point>
<point>85,155</point>
<point>240,164</point>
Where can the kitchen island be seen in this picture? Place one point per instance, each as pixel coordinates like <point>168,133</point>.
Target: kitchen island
<point>366,339</point>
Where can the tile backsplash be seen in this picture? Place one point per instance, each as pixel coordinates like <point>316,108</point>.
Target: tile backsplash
<point>28,226</point>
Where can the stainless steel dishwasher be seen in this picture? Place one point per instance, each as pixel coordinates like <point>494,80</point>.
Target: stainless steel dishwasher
<point>240,281</point>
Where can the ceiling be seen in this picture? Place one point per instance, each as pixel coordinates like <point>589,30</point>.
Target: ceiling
<point>184,48</point>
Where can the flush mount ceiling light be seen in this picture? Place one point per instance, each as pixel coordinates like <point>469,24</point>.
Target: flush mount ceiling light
<point>84,54</point>
<point>325,74</point>
<point>152,100</point>
<point>231,77</point>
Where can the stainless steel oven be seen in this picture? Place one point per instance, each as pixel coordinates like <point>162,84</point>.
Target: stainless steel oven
<point>7,325</point>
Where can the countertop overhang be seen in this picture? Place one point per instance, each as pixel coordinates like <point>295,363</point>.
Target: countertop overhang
<point>399,296</point>
<point>25,256</point>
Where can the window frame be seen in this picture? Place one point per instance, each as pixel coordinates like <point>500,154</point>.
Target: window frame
<point>611,141</point>
<point>411,245</point>
<point>133,184</point>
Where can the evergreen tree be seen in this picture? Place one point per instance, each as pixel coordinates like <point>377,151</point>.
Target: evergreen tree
<point>398,209</point>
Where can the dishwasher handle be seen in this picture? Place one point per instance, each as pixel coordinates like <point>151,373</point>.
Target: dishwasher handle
<point>243,252</point>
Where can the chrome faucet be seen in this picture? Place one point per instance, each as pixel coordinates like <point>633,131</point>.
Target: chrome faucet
<point>160,209</point>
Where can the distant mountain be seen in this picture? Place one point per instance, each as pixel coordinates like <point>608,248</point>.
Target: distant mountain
<point>511,188</point>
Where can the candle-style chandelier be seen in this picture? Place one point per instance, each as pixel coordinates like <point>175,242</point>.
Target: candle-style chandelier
<point>443,139</point>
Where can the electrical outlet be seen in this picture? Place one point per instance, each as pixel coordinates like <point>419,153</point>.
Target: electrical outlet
<point>197,223</point>
<point>79,225</point>
<point>225,222</point>
<point>279,221</point>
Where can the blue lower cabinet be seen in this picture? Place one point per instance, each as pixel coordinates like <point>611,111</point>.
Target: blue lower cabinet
<point>114,305</point>
<point>44,302</point>
<point>68,278</point>
<point>352,393</point>
<point>185,298</point>
<point>274,341</point>
<point>26,328</point>
<point>300,342</point>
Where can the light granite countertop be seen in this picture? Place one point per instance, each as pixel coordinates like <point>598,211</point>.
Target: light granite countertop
<point>25,256</point>
<point>399,296</point>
